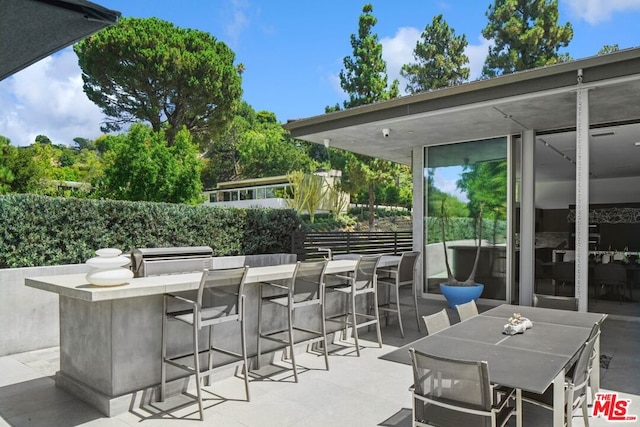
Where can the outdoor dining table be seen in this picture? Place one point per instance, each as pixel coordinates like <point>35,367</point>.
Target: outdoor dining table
<point>110,336</point>
<point>531,361</point>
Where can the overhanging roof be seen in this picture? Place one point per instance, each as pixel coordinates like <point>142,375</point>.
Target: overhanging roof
<point>34,29</point>
<point>542,99</point>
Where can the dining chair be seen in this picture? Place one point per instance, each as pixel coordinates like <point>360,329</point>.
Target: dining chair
<point>450,392</point>
<point>305,289</point>
<point>467,310</point>
<point>220,299</point>
<point>595,333</point>
<point>610,275</point>
<point>437,321</point>
<point>575,384</point>
<point>563,273</point>
<point>404,274</point>
<point>551,301</point>
<point>363,283</point>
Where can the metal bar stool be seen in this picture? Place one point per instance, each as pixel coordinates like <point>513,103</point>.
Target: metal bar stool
<point>220,300</point>
<point>305,289</point>
<point>403,275</point>
<point>362,283</point>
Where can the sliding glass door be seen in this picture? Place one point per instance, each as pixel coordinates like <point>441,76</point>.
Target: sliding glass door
<point>466,205</point>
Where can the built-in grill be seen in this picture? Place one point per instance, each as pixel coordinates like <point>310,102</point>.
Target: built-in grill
<point>159,261</point>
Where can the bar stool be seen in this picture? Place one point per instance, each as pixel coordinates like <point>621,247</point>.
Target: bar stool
<point>362,282</point>
<point>402,275</point>
<point>220,299</point>
<point>305,289</point>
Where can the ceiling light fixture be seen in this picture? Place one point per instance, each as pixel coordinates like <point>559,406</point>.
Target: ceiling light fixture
<point>560,153</point>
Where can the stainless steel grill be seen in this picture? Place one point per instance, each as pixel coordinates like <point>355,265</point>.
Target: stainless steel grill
<point>160,261</point>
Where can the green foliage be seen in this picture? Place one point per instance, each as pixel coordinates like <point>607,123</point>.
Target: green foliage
<point>458,228</point>
<point>254,146</point>
<point>328,222</point>
<point>525,34</point>
<point>140,166</point>
<point>269,230</point>
<point>221,157</point>
<point>371,173</point>
<point>268,151</point>
<point>40,230</point>
<point>84,143</point>
<point>608,48</point>
<point>486,185</point>
<point>6,175</point>
<point>307,192</point>
<point>28,174</point>
<point>364,77</point>
<point>337,200</point>
<point>440,59</point>
<point>146,69</point>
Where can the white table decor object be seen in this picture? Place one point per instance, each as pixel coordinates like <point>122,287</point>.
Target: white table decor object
<point>517,324</point>
<point>108,268</point>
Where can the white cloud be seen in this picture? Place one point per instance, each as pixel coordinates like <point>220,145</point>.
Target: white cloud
<point>47,99</point>
<point>477,53</point>
<point>398,50</point>
<point>239,20</point>
<point>334,82</point>
<point>596,11</point>
<point>445,179</point>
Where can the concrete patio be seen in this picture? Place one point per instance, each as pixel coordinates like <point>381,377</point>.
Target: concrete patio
<point>365,391</point>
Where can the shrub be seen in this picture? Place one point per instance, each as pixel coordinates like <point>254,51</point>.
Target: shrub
<point>40,230</point>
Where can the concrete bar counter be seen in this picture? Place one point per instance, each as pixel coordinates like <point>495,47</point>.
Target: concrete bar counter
<point>110,337</point>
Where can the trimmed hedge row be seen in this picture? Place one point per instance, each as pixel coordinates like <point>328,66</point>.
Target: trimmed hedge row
<point>464,228</point>
<point>40,230</point>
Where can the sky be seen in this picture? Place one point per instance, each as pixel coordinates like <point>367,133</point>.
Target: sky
<point>292,51</point>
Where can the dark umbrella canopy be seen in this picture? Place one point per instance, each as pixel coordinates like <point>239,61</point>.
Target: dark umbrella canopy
<point>34,29</point>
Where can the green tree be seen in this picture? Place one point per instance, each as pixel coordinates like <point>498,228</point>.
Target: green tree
<point>140,166</point>
<point>525,34</point>
<point>6,175</point>
<point>454,207</point>
<point>440,59</point>
<point>608,48</point>
<point>146,69</point>
<point>29,175</point>
<point>43,139</point>
<point>486,187</point>
<point>221,160</point>
<point>82,143</point>
<point>89,167</point>
<point>364,79</point>
<point>268,151</point>
<point>366,172</point>
<point>255,145</point>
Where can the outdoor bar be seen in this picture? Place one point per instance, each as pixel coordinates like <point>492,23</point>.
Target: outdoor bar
<point>110,336</point>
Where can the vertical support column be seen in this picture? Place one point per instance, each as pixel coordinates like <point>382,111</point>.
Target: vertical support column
<point>417,172</point>
<point>527,218</point>
<point>582,196</point>
<point>511,184</point>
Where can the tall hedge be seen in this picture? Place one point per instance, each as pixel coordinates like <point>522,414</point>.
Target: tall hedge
<point>39,230</point>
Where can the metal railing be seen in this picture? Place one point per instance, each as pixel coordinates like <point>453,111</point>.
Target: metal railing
<point>314,245</point>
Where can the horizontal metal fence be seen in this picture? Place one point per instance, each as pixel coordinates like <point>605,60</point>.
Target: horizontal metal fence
<point>309,246</point>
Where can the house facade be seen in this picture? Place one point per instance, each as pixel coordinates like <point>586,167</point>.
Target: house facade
<point>566,139</point>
